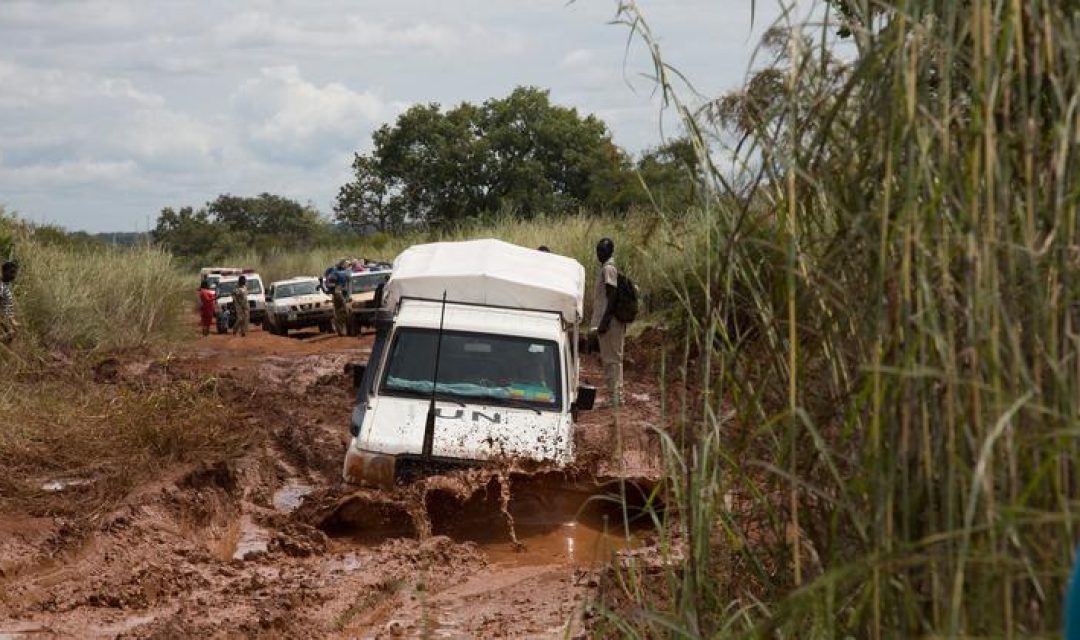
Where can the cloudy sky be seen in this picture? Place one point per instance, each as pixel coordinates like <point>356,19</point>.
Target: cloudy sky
<point>111,110</point>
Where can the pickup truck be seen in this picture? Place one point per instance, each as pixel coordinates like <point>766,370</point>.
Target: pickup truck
<point>361,305</point>
<point>298,303</point>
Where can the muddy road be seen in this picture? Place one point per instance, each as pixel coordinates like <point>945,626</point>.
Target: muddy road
<point>267,542</point>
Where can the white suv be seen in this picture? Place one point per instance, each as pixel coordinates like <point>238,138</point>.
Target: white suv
<point>256,300</point>
<point>297,303</point>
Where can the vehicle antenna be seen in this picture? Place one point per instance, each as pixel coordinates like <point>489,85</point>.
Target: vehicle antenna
<point>429,426</point>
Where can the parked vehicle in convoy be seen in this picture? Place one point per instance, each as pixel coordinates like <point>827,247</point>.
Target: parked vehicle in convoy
<point>213,275</point>
<point>362,304</point>
<point>298,303</point>
<point>475,359</point>
<point>223,308</point>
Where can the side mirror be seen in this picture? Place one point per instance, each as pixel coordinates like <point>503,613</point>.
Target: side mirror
<point>384,321</point>
<point>357,371</point>
<point>586,398</point>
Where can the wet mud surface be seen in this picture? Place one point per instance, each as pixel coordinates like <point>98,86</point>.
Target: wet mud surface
<point>269,543</point>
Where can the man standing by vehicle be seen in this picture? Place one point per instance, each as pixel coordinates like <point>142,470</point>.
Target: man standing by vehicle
<point>8,324</point>
<point>240,307</point>
<point>341,276</point>
<point>610,330</point>
<point>207,296</point>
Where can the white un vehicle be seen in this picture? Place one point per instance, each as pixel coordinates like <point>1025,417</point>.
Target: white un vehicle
<point>223,308</point>
<point>362,304</point>
<point>475,359</point>
<point>298,303</point>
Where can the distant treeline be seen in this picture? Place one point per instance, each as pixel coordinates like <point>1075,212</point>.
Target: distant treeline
<point>519,156</point>
<point>13,229</point>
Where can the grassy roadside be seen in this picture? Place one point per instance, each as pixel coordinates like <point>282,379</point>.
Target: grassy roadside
<point>68,410</point>
<point>86,298</point>
<point>108,428</point>
<point>888,444</point>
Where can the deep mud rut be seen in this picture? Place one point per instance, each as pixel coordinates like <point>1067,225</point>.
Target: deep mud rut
<point>268,543</point>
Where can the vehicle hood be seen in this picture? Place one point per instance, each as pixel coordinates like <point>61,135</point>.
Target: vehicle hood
<point>474,432</point>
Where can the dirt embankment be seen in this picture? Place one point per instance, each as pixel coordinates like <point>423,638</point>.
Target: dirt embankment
<point>252,542</point>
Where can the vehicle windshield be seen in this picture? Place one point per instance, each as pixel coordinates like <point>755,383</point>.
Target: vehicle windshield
<point>366,282</point>
<point>226,288</point>
<point>494,369</point>
<point>296,289</point>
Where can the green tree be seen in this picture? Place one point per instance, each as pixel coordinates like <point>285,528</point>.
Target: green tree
<point>369,201</point>
<point>671,175</point>
<point>519,153</point>
<point>232,224</point>
<point>188,233</point>
<point>266,219</point>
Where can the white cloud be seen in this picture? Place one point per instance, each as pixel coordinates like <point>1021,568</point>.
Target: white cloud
<point>288,118</point>
<point>358,33</point>
<point>578,58</point>
<point>29,87</point>
<point>67,174</point>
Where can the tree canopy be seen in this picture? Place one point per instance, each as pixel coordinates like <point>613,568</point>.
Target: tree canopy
<point>520,153</point>
<point>232,224</point>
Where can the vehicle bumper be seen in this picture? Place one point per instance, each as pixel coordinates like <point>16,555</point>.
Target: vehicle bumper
<point>384,471</point>
<point>303,320</point>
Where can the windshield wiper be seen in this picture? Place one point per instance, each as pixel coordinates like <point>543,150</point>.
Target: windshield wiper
<point>520,404</point>
<point>440,395</point>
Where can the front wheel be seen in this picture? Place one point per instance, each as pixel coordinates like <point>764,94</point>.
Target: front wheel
<point>326,327</point>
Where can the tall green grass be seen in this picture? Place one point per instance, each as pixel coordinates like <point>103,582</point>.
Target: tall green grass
<point>91,297</point>
<point>885,442</point>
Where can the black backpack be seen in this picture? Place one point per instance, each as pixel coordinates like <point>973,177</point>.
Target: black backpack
<point>626,300</point>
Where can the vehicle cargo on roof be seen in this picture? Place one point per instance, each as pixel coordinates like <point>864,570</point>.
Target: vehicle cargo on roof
<point>489,272</point>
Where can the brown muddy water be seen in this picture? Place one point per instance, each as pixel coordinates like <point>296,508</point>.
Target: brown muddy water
<point>538,522</point>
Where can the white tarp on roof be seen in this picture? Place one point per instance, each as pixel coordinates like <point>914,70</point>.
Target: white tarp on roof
<point>489,272</point>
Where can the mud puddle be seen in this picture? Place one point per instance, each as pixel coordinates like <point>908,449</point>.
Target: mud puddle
<point>241,540</point>
<point>57,485</point>
<point>535,521</point>
<point>570,543</point>
<point>291,495</point>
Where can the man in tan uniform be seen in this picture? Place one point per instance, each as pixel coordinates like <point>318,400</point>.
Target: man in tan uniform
<point>240,307</point>
<point>611,332</point>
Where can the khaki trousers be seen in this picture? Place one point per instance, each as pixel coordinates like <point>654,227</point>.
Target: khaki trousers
<point>242,320</point>
<point>611,355</point>
<point>341,313</point>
